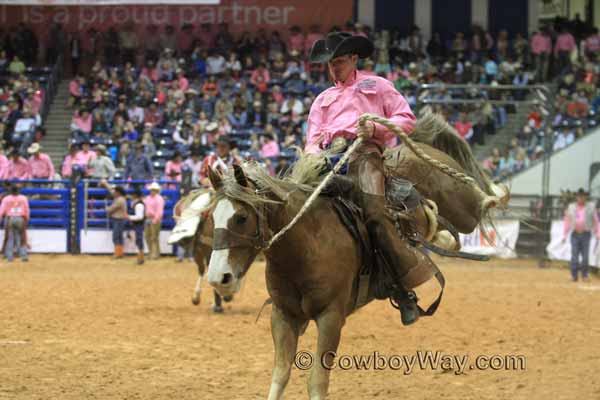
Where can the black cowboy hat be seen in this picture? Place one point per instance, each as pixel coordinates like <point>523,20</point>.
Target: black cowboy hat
<point>581,192</point>
<point>338,44</point>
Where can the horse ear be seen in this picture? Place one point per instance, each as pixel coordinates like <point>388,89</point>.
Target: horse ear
<point>240,177</point>
<point>215,179</point>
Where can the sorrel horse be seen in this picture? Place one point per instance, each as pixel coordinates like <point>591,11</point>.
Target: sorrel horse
<point>310,272</point>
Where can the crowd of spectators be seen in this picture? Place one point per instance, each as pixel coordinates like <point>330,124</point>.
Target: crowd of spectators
<point>145,99</point>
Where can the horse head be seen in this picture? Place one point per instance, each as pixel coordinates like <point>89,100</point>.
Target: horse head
<point>238,235</point>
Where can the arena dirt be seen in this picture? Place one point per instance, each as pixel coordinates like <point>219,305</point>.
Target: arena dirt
<point>91,328</point>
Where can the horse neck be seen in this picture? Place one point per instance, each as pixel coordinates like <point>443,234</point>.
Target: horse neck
<point>278,216</point>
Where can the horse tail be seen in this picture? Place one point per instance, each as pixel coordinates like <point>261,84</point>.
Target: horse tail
<point>433,130</point>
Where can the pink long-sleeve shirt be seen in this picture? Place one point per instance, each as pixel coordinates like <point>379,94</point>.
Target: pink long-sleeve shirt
<point>565,42</point>
<point>579,221</point>
<point>18,169</point>
<point>67,166</point>
<point>335,112</point>
<point>3,166</point>
<point>41,167</point>
<point>541,44</point>
<point>14,206</point>
<point>155,207</point>
<point>270,149</point>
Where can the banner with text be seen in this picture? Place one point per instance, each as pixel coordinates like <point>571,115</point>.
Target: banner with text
<point>502,240</point>
<point>559,250</point>
<point>241,15</point>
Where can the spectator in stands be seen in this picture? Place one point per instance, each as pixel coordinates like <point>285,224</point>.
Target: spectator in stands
<point>270,147</point>
<point>581,219</point>
<point>76,90</point>
<point>238,119</point>
<point>194,164</point>
<point>69,161</point>
<point>138,221</point>
<point>24,130</point>
<point>139,167</point>
<point>117,212</point>
<point>173,167</point>
<point>564,138</point>
<point>222,158</point>
<point>565,45</point>
<point>592,45</point>
<point>464,127</point>
<point>101,167</point>
<point>82,123</point>
<point>215,63</point>
<point>15,207</point>
<point>155,205</point>
<point>40,164</point>
<point>18,167</point>
<point>84,156</point>
<point>130,134</point>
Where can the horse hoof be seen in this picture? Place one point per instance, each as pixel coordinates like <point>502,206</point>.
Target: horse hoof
<point>218,309</point>
<point>227,299</point>
<point>195,301</point>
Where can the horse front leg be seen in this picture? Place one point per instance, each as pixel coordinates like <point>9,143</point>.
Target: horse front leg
<point>285,331</point>
<point>329,325</point>
<point>197,291</point>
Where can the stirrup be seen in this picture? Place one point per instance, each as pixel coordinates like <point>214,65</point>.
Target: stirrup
<point>410,295</point>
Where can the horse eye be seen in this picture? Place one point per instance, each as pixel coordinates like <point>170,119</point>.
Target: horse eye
<point>241,219</point>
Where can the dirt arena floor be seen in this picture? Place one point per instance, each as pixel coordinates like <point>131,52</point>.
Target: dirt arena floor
<point>89,327</point>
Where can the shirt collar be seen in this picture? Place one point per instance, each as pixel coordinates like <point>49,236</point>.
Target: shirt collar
<point>349,82</point>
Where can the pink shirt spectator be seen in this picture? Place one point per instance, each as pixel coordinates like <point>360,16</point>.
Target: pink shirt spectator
<point>150,73</point>
<point>155,207</point>
<point>83,124</point>
<point>541,44</point>
<point>270,149</point>
<point>67,167</point>
<point>296,42</point>
<point>18,169</point>
<point>565,43</point>
<point>335,112</point>
<point>184,84</point>
<point>14,206</point>
<point>260,76</point>
<point>83,157</point>
<point>172,167</point>
<point>41,167</point>
<point>3,166</point>
<point>579,221</point>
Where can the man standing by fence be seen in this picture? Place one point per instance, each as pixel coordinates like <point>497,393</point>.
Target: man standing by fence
<point>137,221</point>
<point>581,219</point>
<point>118,215</point>
<point>155,206</point>
<point>16,209</point>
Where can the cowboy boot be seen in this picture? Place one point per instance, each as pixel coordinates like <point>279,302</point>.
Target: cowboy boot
<point>140,257</point>
<point>410,267</point>
<point>118,251</point>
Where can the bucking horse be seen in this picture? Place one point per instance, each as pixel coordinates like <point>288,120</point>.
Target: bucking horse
<point>315,265</point>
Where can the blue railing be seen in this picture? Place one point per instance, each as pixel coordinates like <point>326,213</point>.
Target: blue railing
<point>81,205</point>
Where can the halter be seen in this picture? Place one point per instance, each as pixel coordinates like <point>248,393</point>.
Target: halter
<point>227,239</point>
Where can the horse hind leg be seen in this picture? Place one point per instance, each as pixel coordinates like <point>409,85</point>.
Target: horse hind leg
<point>197,291</point>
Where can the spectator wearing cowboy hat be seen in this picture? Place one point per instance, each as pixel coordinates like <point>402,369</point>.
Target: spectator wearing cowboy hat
<point>581,219</point>
<point>84,156</point>
<point>139,166</point>
<point>15,207</point>
<point>18,167</point>
<point>194,164</point>
<point>155,207</point>
<point>117,212</point>
<point>40,164</point>
<point>222,158</point>
<point>67,165</point>
<point>102,167</point>
<point>138,221</point>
